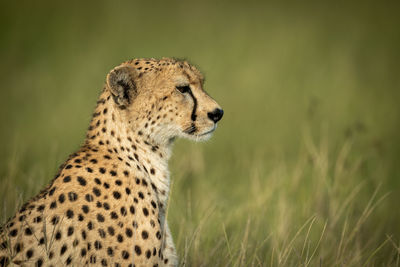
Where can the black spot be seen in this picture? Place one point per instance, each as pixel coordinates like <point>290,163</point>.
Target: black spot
<point>96,191</point>
<point>83,234</point>
<point>128,191</point>
<point>69,166</point>
<point>102,234</point>
<point>132,209</point>
<point>125,254</point>
<point>55,220</point>
<point>90,225</point>
<point>69,260</point>
<point>58,235</point>
<point>97,181</point>
<point>80,217</point>
<point>104,262</point>
<point>153,204</point>
<point>102,170</point>
<point>70,214</point>
<point>89,197</point>
<point>70,231</point>
<point>83,252</point>
<point>21,218</point>
<point>29,253</point>
<point>51,192</point>
<point>158,235</point>
<point>148,254</point>
<point>120,238</point>
<point>110,230</point>
<point>118,182</point>
<point>145,234</point>
<point>53,205</point>
<point>92,259</point>
<point>63,249</point>
<point>126,173</point>
<point>140,194</point>
<point>138,250</point>
<point>85,209</point>
<point>61,198</point>
<point>116,195</point>
<point>94,161</point>
<point>39,263</point>
<point>113,173</point>
<point>114,215</point>
<point>106,206</point>
<point>128,232</point>
<point>123,211</point>
<point>38,219</point>
<point>72,196</point>
<point>17,247</point>
<point>81,181</point>
<point>110,251</point>
<point>40,208</point>
<point>152,171</point>
<point>100,217</point>
<point>97,245</point>
<point>154,187</point>
<point>13,232</point>
<point>4,261</point>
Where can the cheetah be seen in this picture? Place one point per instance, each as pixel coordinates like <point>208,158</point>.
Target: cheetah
<point>107,204</point>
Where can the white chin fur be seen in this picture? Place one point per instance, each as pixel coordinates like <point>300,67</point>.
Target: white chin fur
<point>202,136</point>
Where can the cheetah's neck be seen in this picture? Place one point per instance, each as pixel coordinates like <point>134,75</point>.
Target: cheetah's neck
<point>109,131</point>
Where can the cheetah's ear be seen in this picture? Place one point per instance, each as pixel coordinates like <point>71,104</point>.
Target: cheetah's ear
<point>121,82</point>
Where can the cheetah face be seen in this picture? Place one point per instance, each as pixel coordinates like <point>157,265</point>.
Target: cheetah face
<point>166,97</point>
<point>198,113</point>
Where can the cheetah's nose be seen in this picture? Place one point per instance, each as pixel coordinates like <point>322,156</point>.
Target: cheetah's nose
<point>215,115</point>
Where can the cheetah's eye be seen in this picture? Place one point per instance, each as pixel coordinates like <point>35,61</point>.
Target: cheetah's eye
<point>183,89</point>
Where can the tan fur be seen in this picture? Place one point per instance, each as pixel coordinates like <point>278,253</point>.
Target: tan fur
<point>107,204</point>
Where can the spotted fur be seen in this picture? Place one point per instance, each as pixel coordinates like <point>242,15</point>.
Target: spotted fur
<point>107,204</point>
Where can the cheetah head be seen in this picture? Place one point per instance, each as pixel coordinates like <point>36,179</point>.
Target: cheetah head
<point>163,99</point>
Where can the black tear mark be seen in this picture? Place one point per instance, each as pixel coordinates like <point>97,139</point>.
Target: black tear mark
<point>193,116</point>
<point>126,88</point>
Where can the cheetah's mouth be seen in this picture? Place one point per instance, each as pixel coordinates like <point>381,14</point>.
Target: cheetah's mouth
<point>191,130</point>
<point>208,132</point>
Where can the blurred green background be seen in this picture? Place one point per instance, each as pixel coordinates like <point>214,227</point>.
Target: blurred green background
<point>304,167</point>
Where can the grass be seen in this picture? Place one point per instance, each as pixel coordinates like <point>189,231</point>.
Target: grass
<point>303,169</point>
